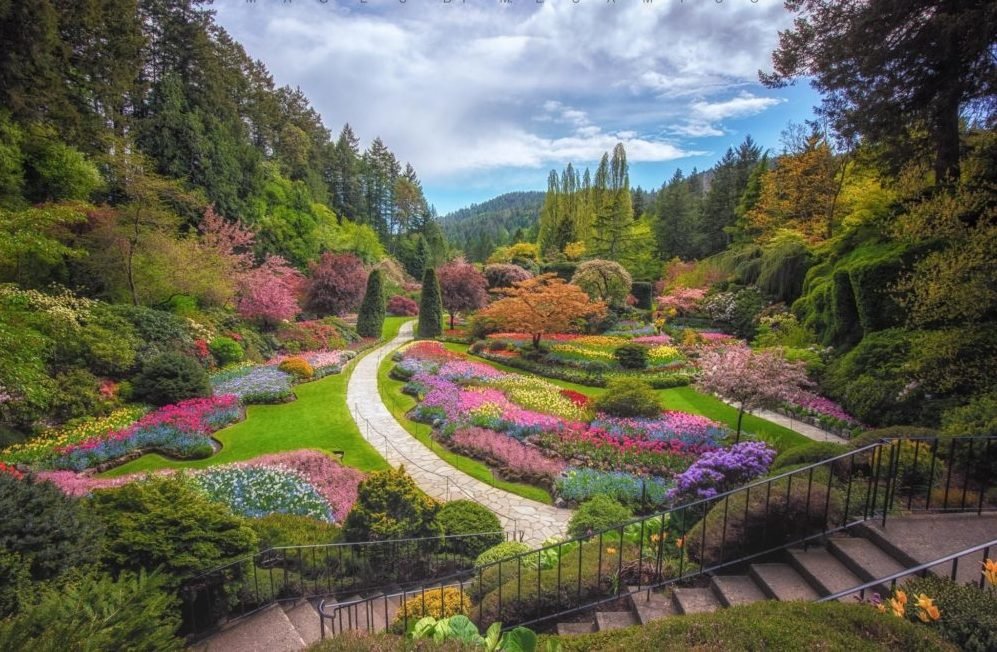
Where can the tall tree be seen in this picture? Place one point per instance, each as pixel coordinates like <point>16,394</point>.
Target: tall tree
<point>676,212</point>
<point>719,214</point>
<point>462,287</point>
<point>614,235</point>
<point>430,306</point>
<point>370,320</point>
<point>899,74</point>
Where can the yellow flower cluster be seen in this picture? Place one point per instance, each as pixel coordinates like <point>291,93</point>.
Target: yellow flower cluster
<point>438,603</point>
<point>584,352</point>
<point>990,572</point>
<point>45,444</point>
<point>602,341</point>
<point>662,353</point>
<point>926,609</point>
<point>539,395</point>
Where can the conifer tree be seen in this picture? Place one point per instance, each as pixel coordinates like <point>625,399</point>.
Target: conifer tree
<point>370,321</point>
<point>430,306</point>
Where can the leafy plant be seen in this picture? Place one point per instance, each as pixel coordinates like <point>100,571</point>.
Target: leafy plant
<point>171,378</point>
<point>460,628</point>
<point>390,506</point>
<point>226,350</point>
<point>463,517</point>
<point>632,356</point>
<point>297,367</point>
<point>597,514</point>
<point>628,397</point>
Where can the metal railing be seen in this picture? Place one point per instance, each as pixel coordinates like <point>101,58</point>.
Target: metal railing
<point>735,527</point>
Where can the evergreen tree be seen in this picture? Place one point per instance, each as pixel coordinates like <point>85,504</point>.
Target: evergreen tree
<point>370,321</point>
<point>430,306</point>
<point>675,213</point>
<point>614,235</point>
<point>730,177</point>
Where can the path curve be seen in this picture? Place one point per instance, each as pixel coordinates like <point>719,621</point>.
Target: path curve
<point>802,427</point>
<point>536,521</point>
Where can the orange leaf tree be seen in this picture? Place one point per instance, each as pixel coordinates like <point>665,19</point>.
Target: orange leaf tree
<point>543,304</point>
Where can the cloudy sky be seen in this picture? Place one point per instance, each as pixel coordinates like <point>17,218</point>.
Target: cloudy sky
<point>484,97</point>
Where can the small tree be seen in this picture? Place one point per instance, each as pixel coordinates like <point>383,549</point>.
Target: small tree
<point>543,304</point>
<point>604,280</point>
<point>463,287</point>
<point>337,284</point>
<point>370,321</point>
<point>390,506</point>
<point>505,275</point>
<point>430,306</point>
<point>268,293</point>
<point>754,379</point>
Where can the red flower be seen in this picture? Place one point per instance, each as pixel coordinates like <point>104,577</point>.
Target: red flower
<point>10,470</point>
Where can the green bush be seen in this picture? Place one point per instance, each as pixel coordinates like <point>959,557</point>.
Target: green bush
<point>810,453</point>
<point>969,615</point>
<point>390,506</point>
<point>51,532</point>
<point>158,330</point>
<point>275,530</point>
<point>77,394</point>
<point>644,293</point>
<point>93,613</point>
<point>166,523</point>
<point>430,306</point>
<point>501,551</point>
<point>628,397</point>
<point>15,583</point>
<point>893,432</point>
<point>597,514</point>
<point>370,320</point>
<point>631,356</point>
<point>171,378</point>
<point>783,267</point>
<point>468,517</point>
<point>226,350</point>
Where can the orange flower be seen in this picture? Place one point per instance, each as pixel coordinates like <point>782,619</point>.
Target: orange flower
<point>679,542</point>
<point>901,597</point>
<point>610,550</point>
<point>990,571</point>
<point>926,609</point>
<point>656,538</point>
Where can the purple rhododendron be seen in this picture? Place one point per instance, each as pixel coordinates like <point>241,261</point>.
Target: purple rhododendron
<point>722,470</point>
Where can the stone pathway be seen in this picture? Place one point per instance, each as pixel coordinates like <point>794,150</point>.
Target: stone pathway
<point>805,429</point>
<point>535,521</point>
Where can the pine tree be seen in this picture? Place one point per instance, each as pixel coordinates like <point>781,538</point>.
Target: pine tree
<point>430,306</point>
<point>370,321</point>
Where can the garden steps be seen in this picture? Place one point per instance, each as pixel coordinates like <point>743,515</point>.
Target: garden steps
<point>652,605</point>
<point>695,601</point>
<point>733,590</point>
<point>269,630</point>
<point>824,571</point>
<point>606,621</point>
<point>305,619</point>
<point>782,582</point>
<point>865,559</point>
<point>566,629</point>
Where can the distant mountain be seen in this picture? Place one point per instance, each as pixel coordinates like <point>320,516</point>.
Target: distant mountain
<point>479,228</point>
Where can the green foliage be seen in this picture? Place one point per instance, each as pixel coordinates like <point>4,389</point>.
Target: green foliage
<point>644,293</point>
<point>503,550</point>
<point>170,378</point>
<point>597,514</point>
<point>226,351</point>
<point>15,583</point>
<point>604,280</point>
<point>565,270</point>
<point>811,453</point>
<point>631,356</point>
<point>93,613</point>
<point>390,506</point>
<point>370,320</point>
<point>783,267</point>
<point>969,615</point>
<point>157,330</point>
<point>978,417</point>
<point>164,522</point>
<point>628,397</point>
<point>468,517</point>
<point>50,532</point>
<point>893,432</point>
<point>274,530</point>
<point>430,306</point>
<point>460,628</point>
<point>77,394</point>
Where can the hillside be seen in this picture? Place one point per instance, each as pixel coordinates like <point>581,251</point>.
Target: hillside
<point>479,228</point>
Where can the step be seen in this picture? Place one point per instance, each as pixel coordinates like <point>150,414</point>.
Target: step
<point>733,590</point>
<point>823,570</point>
<point>865,559</point>
<point>782,582</point>
<point>695,601</point>
<point>567,629</point>
<point>606,621</point>
<point>305,619</point>
<point>649,605</point>
<point>269,630</point>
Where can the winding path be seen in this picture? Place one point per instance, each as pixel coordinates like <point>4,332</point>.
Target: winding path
<point>535,521</point>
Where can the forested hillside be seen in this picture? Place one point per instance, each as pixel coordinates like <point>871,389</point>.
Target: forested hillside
<point>479,228</point>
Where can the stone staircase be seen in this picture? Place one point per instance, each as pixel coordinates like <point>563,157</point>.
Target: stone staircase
<point>869,552</point>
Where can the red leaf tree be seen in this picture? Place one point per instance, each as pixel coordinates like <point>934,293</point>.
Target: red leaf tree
<point>337,284</point>
<point>268,293</point>
<point>462,286</point>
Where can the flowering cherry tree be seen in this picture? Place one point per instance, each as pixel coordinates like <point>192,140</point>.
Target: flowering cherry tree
<point>269,292</point>
<point>752,379</point>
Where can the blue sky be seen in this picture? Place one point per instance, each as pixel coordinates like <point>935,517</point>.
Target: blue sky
<point>485,97</point>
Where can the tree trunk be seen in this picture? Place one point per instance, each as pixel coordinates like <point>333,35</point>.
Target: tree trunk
<point>536,340</point>
<point>740,416</point>
<point>451,320</point>
<point>947,143</point>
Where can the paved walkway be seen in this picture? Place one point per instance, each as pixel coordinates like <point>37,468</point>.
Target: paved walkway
<point>437,478</point>
<point>805,429</point>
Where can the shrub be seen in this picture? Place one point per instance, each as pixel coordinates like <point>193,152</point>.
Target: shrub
<point>721,470</point>
<point>297,367</point>
<point>628,397</point>
<point>390,506</point>
<point>171,378</point>
<point>276,530</point>
<point>77,394</point>
<point>370,321</point>
<point>755,521</point>
<point>811,453</point>
<point>505,275</point>
<point>226,350</point>
<point>336,285</point>
<point>631,356</point>
<point>430,306</point>
<point>50,532</point>
<point>165,522</point>
<point>969,615</point>
<point>402,306</point>
<point>597,514</point>
<point>504,550</point>
<point>893,432</point>
<point>644,293</point>
<point>603,280</point>
<point>468,517</point>
<point>438,603</point>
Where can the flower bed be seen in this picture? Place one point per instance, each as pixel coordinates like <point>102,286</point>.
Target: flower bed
<point>41,450</point>
<point>325,363</point>
<point>595,448</point>
<point>578,485</point>
<point>180,430</point>
<point>258,490</point>
<point>259,384</point>
<point>823,413</point>
<point>517,461</point>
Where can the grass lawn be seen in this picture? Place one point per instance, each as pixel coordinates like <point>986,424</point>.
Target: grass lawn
<point>684,399</point>
<point>319,419</point>
<point>399,404</point>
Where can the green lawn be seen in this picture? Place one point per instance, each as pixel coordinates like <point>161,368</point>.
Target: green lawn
<point>685,399</point>
<point>399,404</point>
<point>319,418</point>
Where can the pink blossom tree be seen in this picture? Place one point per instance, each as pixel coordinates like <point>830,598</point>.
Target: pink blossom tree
<point>268,293</point>
<point>752,379</point>
<point>681,301</point>
<point>462,286</point>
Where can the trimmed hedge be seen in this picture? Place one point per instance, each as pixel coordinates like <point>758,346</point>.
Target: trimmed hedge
<point>370,320</point>
<point>430,306</point>
<point>597,514</point>
<point>468,517</point>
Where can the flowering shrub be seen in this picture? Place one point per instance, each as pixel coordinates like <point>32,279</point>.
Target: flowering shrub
<point>264,384</point>
<point>825,411</point>
<point>314,335</point>
<point>40,451</point>
<point>689,429</point>
<point>323,363</point>
<point>402,306</point>
<point>297,367</point>
<point>438,603</point>
<point>578,485</point>
<point>521,461</point>
<point>182,429</point>
<point>722,470</point>
<point>595,448</point>
<point>257,490</point>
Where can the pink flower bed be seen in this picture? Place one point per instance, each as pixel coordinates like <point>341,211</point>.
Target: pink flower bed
<point>552,337</point>
<point>510,453</point>
<point>819,405</point>
<point>653,340</point>
<point>316,359</point>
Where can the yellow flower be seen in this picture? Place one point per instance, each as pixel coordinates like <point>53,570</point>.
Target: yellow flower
<point>926,609</point>
<point>656,538</point>
<point>898,608</point>
<point>881,607</point>
<point>990,571</point>
<point>610,550</point>
<point>901,597</point>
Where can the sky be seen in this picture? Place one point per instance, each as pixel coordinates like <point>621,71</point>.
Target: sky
<point>484,97</point>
